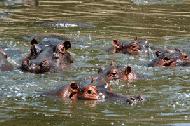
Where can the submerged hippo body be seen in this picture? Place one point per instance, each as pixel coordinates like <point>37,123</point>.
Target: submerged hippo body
<point>50,55</point>
<point>4,64</point>
<point>170,58</point>
<point>75,91</point>
<point>133,48</point>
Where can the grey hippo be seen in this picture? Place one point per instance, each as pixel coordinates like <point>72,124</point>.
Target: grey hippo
<point>170,58</point>
<point>50,55</point>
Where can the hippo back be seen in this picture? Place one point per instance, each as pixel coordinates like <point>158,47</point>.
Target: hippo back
<point>50,41</point>
<point>46,54</point>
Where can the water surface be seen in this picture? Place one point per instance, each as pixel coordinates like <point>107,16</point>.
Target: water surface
<point>91,25</point>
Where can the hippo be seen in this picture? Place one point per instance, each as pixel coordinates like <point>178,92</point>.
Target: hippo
<point>114,72</point>
<point>47,56</point>
<point>133,48</point>
<point>170,58</point>
<point>4,64</point>
<point>75,91</point>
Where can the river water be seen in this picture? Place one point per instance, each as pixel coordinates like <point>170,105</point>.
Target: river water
<point>91,25</point>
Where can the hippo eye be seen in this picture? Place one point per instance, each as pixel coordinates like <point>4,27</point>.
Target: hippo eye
<point>134,46</point>
<point>89,91</point>
<point>185,56</point>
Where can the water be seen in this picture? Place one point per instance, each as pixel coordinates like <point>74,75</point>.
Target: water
<point>91,25</point>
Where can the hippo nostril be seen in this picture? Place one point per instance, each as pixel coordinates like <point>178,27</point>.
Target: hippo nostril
<point>185,56</point>
<point>74,85</point>
<point>62,49</point>
<point>89,91</point>
<point>113,74</point>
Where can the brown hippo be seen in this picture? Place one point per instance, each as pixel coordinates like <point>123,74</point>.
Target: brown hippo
<point>170,58</point>
<point>114,72</point>
<point>4,64</point>
<point>76,91</point>
<point>46,57</point>
<point>134,48</point>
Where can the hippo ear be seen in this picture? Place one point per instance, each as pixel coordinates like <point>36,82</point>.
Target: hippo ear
<point>128,69</point>
<point>67,44</point>
<point>33,42</point>
<point>74,85</point>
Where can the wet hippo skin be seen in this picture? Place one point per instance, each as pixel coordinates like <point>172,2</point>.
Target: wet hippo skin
<point>133,48</point>
<point>114,72</point>
<point>76,91</point>
<point>47,57</point>
<point>170,58</point>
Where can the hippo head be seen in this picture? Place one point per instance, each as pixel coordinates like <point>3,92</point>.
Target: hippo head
<point>113,74</point>
<point>171,57</point>
<point>133,48</point>
<point>88,93</point>
<point>184,57</point>
<point>183,60</point>
<point>165,61</point>
<point>166,58</point>
<point>75,91</point>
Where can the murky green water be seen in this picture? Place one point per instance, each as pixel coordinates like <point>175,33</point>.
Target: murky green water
<point>91,25</point>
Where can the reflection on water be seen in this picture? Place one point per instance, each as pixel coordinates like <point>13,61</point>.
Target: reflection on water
<point>91,25</point>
